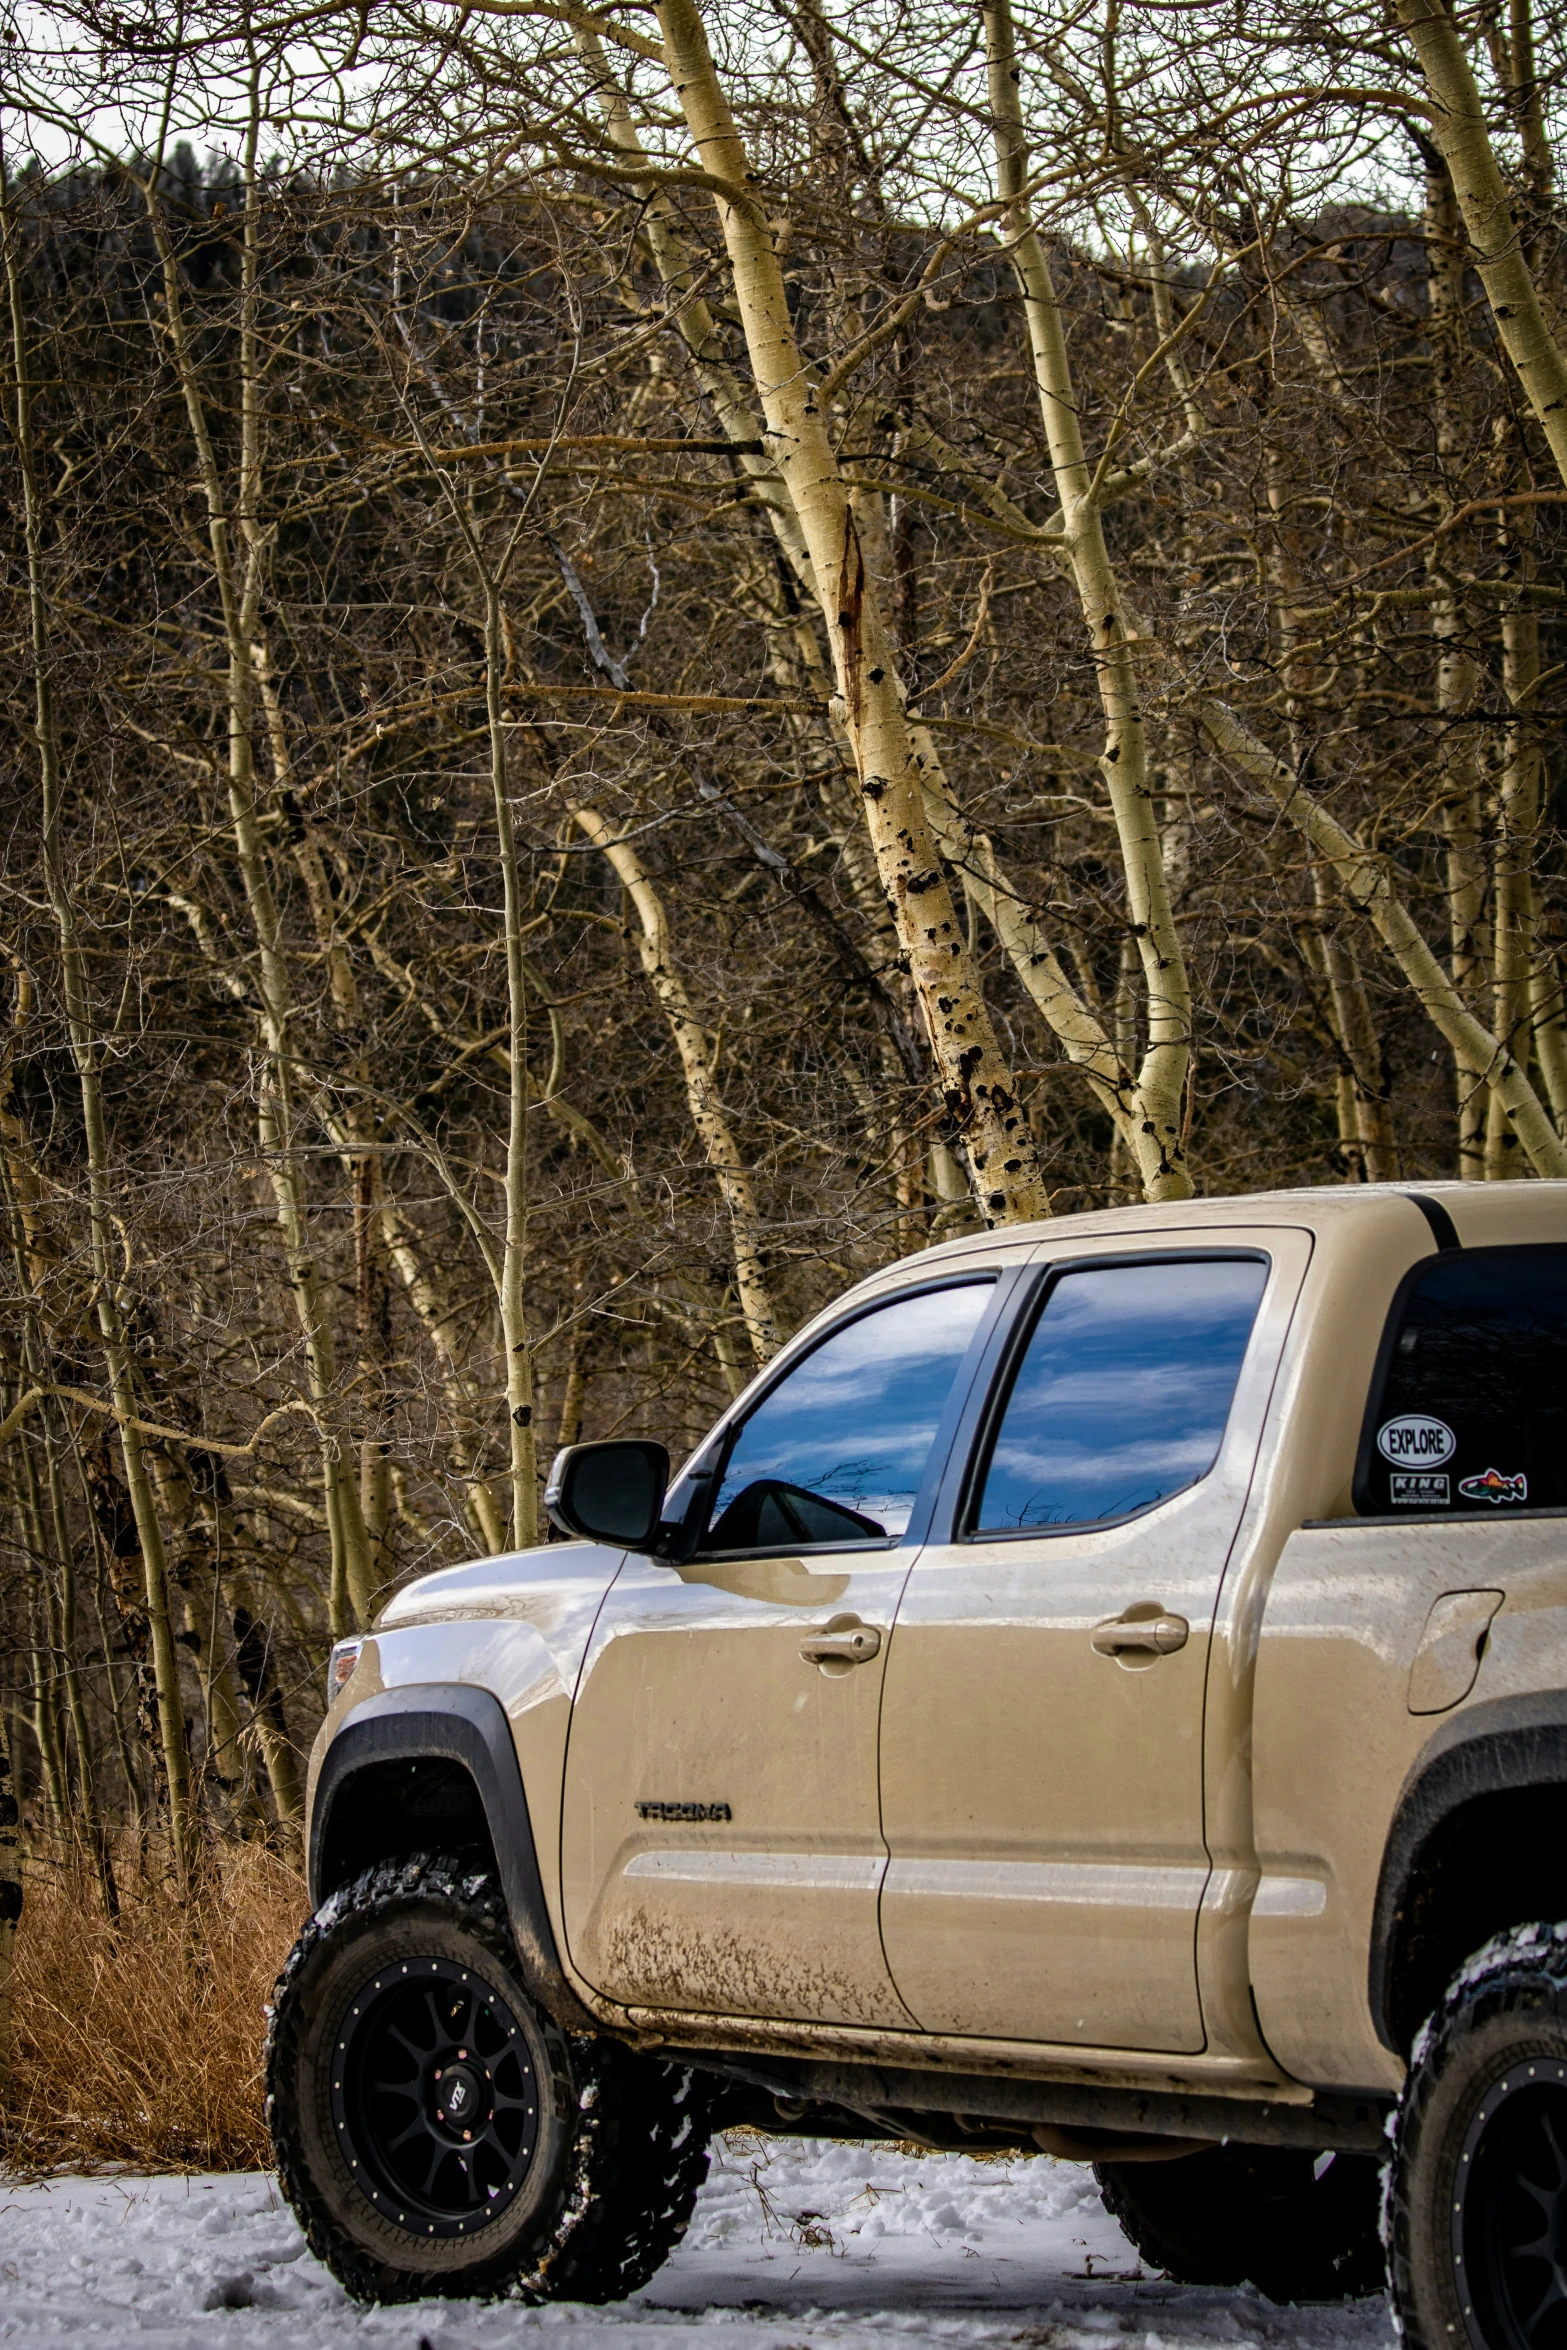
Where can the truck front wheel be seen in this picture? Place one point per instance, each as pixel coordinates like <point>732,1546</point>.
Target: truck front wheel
<point>1298,2226</point>
<point>1477,2197</point>
<point>437,2133</point>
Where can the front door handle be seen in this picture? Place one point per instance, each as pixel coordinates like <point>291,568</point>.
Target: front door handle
<point>841,1643</point>
<point>1141,1635</point>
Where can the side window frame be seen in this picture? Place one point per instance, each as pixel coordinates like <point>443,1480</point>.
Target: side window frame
<point>996,1391</point>
<point>714,1453</point>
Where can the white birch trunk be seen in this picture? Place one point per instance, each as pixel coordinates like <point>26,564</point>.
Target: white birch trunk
<point>1458,127</point>
<point>974,1076</point>
<point>708,1115</point>
<point>1157,1119</point>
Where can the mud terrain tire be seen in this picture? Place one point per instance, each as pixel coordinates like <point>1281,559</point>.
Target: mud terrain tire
<point>577,2175</point>
<point>1255,2214</point>
<point>1477,2190</point>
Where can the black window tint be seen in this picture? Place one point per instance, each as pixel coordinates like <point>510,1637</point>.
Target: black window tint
<point>1473,1409</point>
<point>836,1452</point>
<point>1122,1394</point>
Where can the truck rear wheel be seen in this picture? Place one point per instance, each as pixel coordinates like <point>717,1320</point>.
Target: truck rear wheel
<point>437,2133</point>
<point>1477,2197</point>
<point>1295,2227</point>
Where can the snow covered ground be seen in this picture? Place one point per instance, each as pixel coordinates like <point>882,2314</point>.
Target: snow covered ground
<point>794,2246</point>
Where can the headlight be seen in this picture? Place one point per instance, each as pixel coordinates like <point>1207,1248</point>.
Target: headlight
<point>339,1665</point>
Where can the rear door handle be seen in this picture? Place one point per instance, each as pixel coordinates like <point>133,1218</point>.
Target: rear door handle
<point>1141,1635</point>
<point>841,1644</point>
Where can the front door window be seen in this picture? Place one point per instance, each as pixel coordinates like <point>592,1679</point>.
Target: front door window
<point>835,1453</point>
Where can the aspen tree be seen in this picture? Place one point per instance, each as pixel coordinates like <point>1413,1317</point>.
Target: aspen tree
<point>973,1074</point>
<point>109,1312</point>
<point>239,570</point>
<point>1457,672</point>
<point>1518,819</point>
<point>1364,880</point>
<point>1031,954</point>
<point>377,1216</point>
<point>702,1095</point>
<point>522,1435</point>
<point>698,328</point>
<point>1491,214</point>
<point>1365,1122</point>
<point>1155,1111</point>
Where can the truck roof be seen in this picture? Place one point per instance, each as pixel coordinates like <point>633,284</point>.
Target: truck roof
<point>1481,1215</point>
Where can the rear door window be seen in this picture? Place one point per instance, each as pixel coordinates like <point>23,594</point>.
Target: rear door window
<point>1469,1412</point>
<point>1122,1392</point>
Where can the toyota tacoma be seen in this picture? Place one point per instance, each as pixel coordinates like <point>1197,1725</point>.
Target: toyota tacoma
<point>1103,1689</point>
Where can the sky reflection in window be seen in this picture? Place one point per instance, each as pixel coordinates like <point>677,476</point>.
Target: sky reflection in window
<point>1123,1392</point>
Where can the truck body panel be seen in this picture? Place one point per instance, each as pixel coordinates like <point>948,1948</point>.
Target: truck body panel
<point>1337,1743</point>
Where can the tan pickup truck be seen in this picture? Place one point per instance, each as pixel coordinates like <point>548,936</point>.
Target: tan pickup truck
<point>1102,1689</point>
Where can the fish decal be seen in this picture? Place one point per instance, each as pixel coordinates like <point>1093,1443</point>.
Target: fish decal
<point>1493,1486</point>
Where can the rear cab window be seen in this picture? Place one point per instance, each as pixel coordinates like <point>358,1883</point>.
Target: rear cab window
<point>1468,1407</point>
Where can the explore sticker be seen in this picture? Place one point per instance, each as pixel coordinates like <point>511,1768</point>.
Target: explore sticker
<point>1416,1442</point>
<point>1493,1486</point>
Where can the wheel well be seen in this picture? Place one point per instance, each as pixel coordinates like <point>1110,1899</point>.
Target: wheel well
<point>1499,1860</point>
<point>415,1803</point>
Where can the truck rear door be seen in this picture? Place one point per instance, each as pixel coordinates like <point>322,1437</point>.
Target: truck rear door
<point>1041,1756</point>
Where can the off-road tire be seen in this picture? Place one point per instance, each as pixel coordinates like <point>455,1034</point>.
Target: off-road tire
<point>618,2142</point>
<point>1255,2214</point>
<point>1477,2187</point>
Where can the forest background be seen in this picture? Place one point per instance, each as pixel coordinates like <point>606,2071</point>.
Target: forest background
<point>652,656</point>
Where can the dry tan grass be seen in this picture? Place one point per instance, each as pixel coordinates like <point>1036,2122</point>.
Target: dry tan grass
<point>140,2042</point>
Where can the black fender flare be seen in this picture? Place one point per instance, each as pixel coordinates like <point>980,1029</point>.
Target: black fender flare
<point>454,1722</point>
<point>1488,1749</point>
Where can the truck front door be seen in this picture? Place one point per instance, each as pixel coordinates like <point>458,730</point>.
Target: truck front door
<point>721,1845</point>
<point>1042,1764</point>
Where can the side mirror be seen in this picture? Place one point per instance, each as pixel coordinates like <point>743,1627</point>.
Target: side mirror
<point>612,1492</point>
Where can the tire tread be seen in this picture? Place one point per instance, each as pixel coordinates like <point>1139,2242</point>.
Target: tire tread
<point>1520,1972</point>
<point>639,2149</point>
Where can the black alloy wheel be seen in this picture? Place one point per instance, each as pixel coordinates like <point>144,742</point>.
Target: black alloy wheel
<point>1510,2212</point>
<point>434,2098</point>
<point>1476,2219</point>
<point>438,2131</point>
